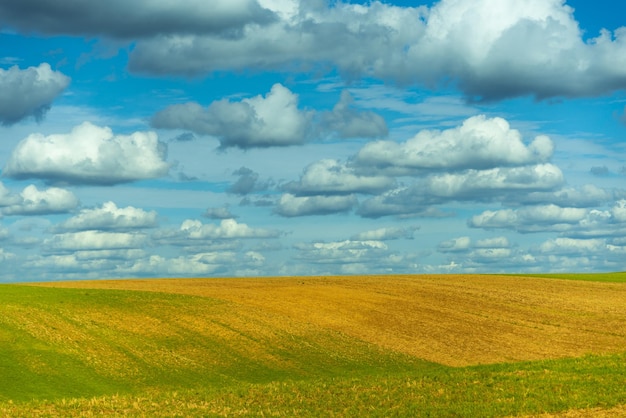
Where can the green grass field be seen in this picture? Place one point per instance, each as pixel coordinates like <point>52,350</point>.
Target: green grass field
<point>617,277</point>
<point>85,352</point>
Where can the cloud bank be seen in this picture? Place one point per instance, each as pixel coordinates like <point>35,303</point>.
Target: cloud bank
<point>137,19</point>
<point>533,48</point>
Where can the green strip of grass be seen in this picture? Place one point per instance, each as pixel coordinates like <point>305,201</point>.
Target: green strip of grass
<point>485,391</point>
<point>616,277</point>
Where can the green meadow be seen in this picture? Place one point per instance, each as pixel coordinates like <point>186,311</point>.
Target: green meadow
<point>87,352</point>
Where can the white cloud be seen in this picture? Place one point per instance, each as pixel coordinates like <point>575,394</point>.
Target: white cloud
<point>618,211</point>
<point>569,246</point>
<point>488,253</point>
<point>331,177</point>
<point>33,201</point>
<point>348,122</point>
<point>291,206</point>
<point>141,18</point>
<point>112,255</point>
<point>460,244</point>
<point>201,264</point>
<point>307,33</point>
<point>273,120</point>
<point>6,256</point>
<point>490,50</point>
<point>496,242</point>
<point>88,155</point>
<point>69,266</point>
<point>603,223</point>
<point>383,234</point>
<point>7,198</point>
<point>530,219</point>
<point>570,222</point>
<point>162,266</point>
<point>94,240</point>
<point>219,213</point>
<point>588,195</point>
<point>248,182</point>
<point>479,143</point>
<point>227,229</point>
<point>341,251</point>
<point>29,92</point>
<point>109,217</point>
<point>422,197</point>
<point>403,201</point>
<point>480,184</point>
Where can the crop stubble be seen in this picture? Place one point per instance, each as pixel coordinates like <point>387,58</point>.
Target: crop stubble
<point>455,320</point>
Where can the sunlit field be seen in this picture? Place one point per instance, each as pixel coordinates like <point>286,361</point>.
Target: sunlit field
<point>316,346</point>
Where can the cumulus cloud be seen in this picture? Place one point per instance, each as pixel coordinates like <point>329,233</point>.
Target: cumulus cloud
<point>602,223</point>
<point>460,244</point>
<point>33,201</point>
<point>228,229</point>
<point>570,246</point>
<point>6,256</point>
<point>354,257</point>
<point>483,184</point>
<point>332,177</point>
<point>89,154</point>
<point>570,222</point>
<point>584,196</point>
<point>94,240</point>
<point>485,252</point>
<point>347,122</point>
<point>110,217</point>
<point>260,121</point>
<point>341,251</point>
<point>141,18</point>
<point>529,219</point>
<point>178,266</point>
<point>248,182</point>
<point>496,242</point>
<point>579,254</point>
<point>7,198</point>
<point>110,255</point>
<point>29,92</point>
<point>491,51</point>
<point>384,234</point>
<point>291,206</point>
<point>222,212</point>
<point>195,265</point>
<point>599,171</point>
<point>403,201</point>
<point>421,197</point>
<point>306,33</point>
<point>479,143</point>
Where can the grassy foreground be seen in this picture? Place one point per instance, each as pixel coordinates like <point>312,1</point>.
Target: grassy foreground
<point>86,351</point>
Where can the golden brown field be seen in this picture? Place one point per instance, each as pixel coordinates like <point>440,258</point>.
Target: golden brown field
<point>453,320</point>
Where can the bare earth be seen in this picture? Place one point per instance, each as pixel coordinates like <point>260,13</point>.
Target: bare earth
<point>454,320</point>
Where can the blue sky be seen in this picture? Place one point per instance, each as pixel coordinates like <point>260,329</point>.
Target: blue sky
<point>283,137</point>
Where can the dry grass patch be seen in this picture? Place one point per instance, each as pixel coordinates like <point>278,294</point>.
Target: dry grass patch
<point>453,320</point>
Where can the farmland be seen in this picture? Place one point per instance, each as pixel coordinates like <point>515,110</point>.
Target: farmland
<point>316,346</point>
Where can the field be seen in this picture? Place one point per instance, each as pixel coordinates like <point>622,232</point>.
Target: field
<point>316,346</point>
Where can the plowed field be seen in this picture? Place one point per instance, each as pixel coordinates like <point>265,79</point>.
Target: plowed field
<point>452,320</point>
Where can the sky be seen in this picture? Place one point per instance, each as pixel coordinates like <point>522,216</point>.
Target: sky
<point>233,138</point>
